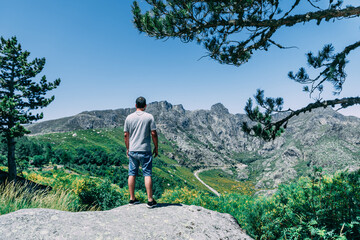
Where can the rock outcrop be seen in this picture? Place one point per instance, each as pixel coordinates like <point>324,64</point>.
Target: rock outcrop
<point>126,222</point>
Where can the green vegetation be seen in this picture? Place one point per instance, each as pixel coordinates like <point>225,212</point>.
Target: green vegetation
<point>320,207</point>
<point>16,196</point>
<point>61,159</point>
<point>233,203</point>
<point>82,193</point>
<point>316,207</point>
<point>104,195</point>
<point>98,153</point>
<point>223,182</point>
<point>246,157</point>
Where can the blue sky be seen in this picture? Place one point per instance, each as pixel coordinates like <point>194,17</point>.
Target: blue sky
<point>104,63</point>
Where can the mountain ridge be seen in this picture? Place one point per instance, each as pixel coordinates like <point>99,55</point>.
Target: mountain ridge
<point>214,137</point>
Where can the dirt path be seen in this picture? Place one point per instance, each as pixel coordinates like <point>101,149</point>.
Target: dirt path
<point>196,174</point>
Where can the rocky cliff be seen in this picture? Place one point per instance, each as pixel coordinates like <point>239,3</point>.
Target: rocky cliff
<point>126,222</point>
<point>204,138</point>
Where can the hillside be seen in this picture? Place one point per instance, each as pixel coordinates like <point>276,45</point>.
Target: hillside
<point>213,138</point>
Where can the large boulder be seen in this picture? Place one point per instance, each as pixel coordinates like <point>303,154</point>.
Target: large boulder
<point>167,221</point>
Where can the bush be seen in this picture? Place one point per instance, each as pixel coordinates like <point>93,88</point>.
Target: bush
<point>3,160</point>
<point>39,161</point>
<point>101,195</point>
<point>119,158</point>
<point>316,207</point>
<point>92,155</point>
<point>234,203</point>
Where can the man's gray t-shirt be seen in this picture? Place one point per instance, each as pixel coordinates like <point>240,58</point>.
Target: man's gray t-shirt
<point>139,125</point>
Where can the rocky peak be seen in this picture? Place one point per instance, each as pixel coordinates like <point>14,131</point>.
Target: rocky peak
<point>219,108</point>
<point>162,105</point>
<point>179,108</point>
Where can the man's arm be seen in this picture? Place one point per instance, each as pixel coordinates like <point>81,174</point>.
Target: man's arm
<point>155,141</point>
<point>126,138</point>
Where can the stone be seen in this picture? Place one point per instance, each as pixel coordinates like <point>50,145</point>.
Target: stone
<point>167,221</point>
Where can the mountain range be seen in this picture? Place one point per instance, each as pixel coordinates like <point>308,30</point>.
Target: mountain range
<point>214,139</point>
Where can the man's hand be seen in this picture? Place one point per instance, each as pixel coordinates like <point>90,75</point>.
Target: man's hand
<point>155,152</point>
<point>126,140</point>
<point>155,141</point>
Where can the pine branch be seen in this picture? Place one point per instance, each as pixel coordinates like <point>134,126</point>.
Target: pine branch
<point>344,102</point>
<point>327,15</point>
<point>215,23</point>
<point>269,130</point>
<point>334,69</point>
<point>200,25</point>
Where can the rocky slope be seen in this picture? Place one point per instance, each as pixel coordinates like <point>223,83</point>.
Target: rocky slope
<point>205,138</point>
<point>125,222</point>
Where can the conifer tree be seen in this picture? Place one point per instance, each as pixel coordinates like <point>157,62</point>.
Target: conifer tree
<point>20,94</point>
<point>232,30</point>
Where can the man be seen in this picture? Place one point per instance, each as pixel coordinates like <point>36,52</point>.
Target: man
<point>138,128</point>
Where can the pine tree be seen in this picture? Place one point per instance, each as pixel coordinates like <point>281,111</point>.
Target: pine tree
<point>232,30</point>
<point>20,94</point>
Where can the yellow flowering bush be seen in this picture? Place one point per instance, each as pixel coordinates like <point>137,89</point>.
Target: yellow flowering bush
<point>38,178</point>
<point>3,168</point>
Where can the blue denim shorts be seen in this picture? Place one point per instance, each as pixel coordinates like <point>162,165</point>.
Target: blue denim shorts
<point>135,158</point>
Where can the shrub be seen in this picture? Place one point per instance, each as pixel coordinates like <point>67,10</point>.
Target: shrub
<point>3,160</point>
<point>101,195</point>
<point>316,207</point>
<point>234,203</point>
<point>39,160</point>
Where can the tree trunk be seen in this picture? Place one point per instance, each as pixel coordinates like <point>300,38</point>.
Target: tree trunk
<point>11,159</point>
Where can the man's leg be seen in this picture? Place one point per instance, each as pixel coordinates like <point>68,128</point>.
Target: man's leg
<point>148,186</point>
<point>133,171</point>
<point>131,183</point>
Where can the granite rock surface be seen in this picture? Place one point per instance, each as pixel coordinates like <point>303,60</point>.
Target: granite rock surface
<point>167,221</point>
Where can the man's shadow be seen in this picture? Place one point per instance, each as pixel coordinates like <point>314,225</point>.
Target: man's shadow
<point>160,205</point>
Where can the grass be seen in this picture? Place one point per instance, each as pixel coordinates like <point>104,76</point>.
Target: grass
<point>246,157</point>
<point>109,139</point>
<point>189,177</point>
<point>14,197</point>
<point>224,183</point>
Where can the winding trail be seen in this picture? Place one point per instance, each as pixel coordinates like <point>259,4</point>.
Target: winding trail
<point>196,174</point>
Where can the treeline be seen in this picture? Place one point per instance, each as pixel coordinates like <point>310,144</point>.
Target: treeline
<point>33,153</point>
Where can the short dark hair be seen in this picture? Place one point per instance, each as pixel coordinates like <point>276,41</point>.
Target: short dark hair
<point>140,102</point>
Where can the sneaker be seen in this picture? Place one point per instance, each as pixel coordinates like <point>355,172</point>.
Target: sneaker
<point>133,202</point>
<point>152,204</point>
